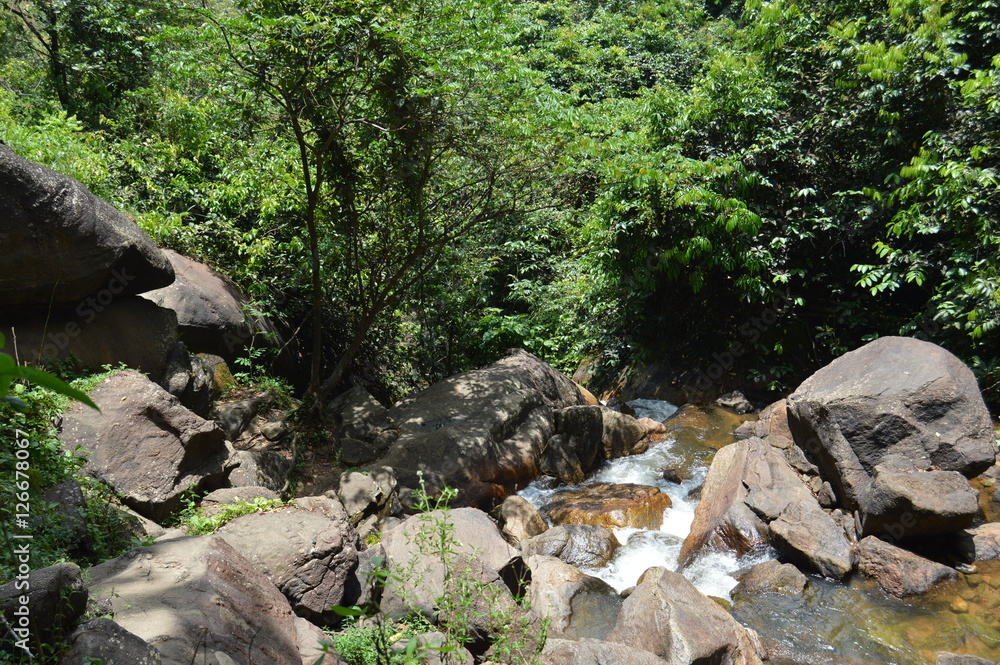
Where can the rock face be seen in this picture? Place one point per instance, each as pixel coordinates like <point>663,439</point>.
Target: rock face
<point>304,553</point>
<point>211,310</point>
<point>577,605</point>
<point>483,431</point>
<point>580,545</point>
<point>897,571</point>
<point>86,245</point>
<point>195,599</point>
<point>422,566</point>
<point>98,331</point>
<point>144,444</point>
<point>895,398</point>
<point>668,617</point>
<point>612,506</point>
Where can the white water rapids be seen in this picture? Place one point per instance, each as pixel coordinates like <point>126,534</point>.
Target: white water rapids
<point>710,572</point>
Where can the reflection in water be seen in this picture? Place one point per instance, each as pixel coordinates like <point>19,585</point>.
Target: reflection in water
<point>855,624</point>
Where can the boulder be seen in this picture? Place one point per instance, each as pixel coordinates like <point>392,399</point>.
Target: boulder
<point>735,402</point>
<point>357,415</point>
<point>561,462</point>
<point>722,519</point>
<point>259,468</point>
<point>899,572</point>
<point>306,554</point>
<point>580,545</point>
<point>482,432</point>
<point>213,314</point>
<point>519,520</point>
<point>235,417</point>
<point>810,538</point>
<point>189,378</point>
<point>614,506</point>
<point>433,556</point>
<point>770,577</point>
<point>144,444</point>
<point>126,329</point>
<point>368,498</point>
<point>622,434</point>
<point>62,243</point>
<point>577,605</point>
<point>906,501</point>
<point>595,652</point>
<point>310,638</point>
<point>894,398</point>
<point>946,658</point>
<point>581,429</point>
<point>666,616</point>
<point>105,641</point>
<point>196,599</point>
<point>981,543</point>
<point>56,598</point>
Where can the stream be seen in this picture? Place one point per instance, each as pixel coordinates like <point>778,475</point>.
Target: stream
<point>853,624</point>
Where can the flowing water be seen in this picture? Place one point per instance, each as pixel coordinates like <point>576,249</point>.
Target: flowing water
<point>854,624</point>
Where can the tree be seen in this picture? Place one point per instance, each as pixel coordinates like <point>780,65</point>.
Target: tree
<point>405,119</point>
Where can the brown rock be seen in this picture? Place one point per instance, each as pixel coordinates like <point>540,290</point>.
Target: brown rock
<point>711,426</point>
<point>897,571</point>
<point>144,444</point>
<point>519,520</point>
<point>612,506</point>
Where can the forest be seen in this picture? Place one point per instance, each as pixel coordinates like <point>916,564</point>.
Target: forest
<point>409,188</point>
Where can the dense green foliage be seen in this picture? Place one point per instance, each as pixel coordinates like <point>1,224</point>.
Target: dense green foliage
<point>427,184</point>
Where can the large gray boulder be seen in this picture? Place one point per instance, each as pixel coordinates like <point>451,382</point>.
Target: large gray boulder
<point>61,243</point>
<point>482,432</point>
<point>307,555</point>
<point>668,617</point>
<point>144,444</point>
<point>197,600</point>
<point>212,312</point>
<point>894,398</point>
<point>576,605</point>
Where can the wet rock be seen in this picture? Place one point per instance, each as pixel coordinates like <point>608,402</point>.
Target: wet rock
<point>671,475</point>
<point>105,641</point>
<point>307,554</point>
<point>519,520</point>
<point>212,312</point>
<point>576,604</point>
<point>483,431</point>
<point>588,651</point>
<point>56,599</point>
<point>945,658</point>
<point>63,244</point>
<point>895,398</point>
<point>652,426</point>
<point>144,444</point>
<point>609,505</point>
<point>196,598</point>
<point>668,617</point>
<point>899,572</point>
<point>580,545</point>
<point>981,543</point>
<point>810,538</point>
<point>735,402</point>
<point>770,577</point>
<point>723,519</point>
<point>259,468</point>
<point>710,426</point>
